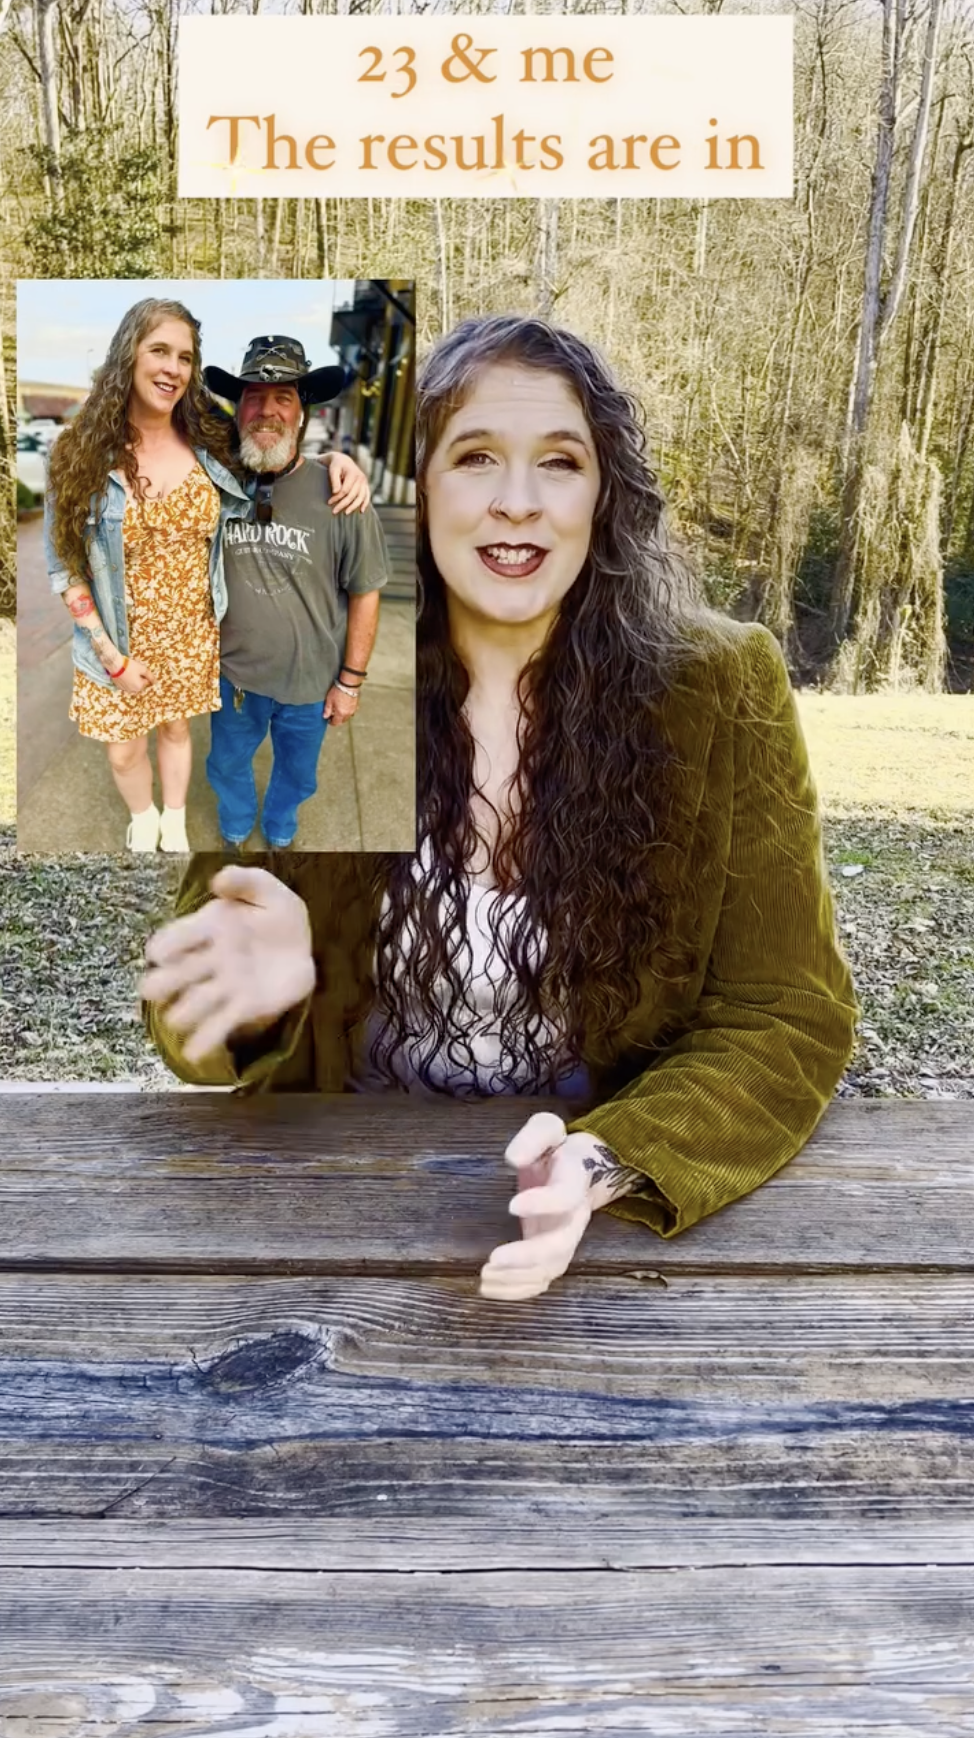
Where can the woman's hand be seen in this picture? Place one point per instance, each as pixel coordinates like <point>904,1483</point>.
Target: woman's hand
<point>339,707</point>
<point>135,676</point>
<point>239,962</point>
<point>350,486</point>
<point>554,1205</point>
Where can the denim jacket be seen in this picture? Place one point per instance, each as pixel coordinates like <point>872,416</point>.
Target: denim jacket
<point>106,566</point>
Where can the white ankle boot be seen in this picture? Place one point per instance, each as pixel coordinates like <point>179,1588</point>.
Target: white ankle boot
<point>143,833</point>
<point>172,831</point>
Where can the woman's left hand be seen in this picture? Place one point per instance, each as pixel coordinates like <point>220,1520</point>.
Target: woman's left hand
<point>349,484</point>
<point>553,1204</point>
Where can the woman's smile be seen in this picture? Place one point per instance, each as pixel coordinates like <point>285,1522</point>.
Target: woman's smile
<point>512,560</point>
<point>511,492</point>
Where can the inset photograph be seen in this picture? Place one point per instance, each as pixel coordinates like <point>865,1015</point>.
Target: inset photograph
<point>216,566</point>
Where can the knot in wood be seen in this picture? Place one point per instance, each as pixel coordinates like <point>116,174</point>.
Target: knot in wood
<point>259,1363</point>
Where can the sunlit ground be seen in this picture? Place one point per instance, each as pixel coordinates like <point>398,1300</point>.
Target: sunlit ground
<point>895,752</point>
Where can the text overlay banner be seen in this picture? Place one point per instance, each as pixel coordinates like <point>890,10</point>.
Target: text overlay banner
<point>455,106</point>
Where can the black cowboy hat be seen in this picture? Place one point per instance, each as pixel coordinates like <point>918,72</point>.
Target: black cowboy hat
<point>276,361</point>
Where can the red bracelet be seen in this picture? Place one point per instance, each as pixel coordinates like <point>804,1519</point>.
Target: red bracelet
<point>114,674</point>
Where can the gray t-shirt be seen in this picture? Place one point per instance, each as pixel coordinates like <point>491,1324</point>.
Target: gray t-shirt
<point>288,585</point>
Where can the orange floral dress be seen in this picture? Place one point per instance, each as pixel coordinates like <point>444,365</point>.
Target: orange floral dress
<point>166,546</point>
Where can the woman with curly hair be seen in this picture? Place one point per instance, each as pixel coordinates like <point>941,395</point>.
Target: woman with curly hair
<point>619,894</point>
<point>140,486</point>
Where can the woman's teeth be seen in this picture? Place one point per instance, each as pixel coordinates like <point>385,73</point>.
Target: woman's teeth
<point>509,557</point>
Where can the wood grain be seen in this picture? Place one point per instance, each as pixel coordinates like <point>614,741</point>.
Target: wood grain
<point>608,1534</point>
<point>269,1467</point>
<point>354,1184</point>
<point>842,1398</point>
<point>307,1656</point>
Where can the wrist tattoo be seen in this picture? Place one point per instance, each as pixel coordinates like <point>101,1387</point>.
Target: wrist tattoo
<point>104,648</point>
<point>604,1167</point>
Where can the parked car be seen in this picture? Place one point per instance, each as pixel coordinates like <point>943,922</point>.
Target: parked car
<point>31,469</point>
<point>44,429</point>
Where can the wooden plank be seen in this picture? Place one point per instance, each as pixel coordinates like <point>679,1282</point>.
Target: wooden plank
<point>843,1400</point>
<point>669,1652</point>
<point>220,1182</point>
<point>607,1535</point>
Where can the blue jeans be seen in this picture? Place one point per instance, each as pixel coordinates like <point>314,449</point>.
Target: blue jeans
<point>297,733</point>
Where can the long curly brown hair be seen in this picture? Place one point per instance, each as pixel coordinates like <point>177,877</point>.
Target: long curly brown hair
<point>596,844</point>
<point>101,438</point>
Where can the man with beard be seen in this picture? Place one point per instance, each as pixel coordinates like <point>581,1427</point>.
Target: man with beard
<point>303,587</point>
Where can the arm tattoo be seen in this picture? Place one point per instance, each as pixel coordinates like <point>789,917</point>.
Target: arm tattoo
<point>89,621</point>
<point>604,1167</point>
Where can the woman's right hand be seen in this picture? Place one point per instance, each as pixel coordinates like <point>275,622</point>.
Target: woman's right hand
<point>235,965</point>
<point>135,676</point>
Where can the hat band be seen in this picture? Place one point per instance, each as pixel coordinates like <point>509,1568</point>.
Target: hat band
<point>273,373</point>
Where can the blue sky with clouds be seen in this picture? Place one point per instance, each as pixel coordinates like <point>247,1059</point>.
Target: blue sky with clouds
<point>64,326</point>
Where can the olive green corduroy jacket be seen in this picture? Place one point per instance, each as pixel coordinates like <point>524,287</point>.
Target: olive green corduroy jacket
<point>718,1081</point>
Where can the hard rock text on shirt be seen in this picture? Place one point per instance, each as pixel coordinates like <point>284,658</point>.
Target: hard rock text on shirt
<point>272,536</point>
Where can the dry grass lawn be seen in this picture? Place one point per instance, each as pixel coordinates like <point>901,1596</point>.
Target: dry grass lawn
<point>900,753</point>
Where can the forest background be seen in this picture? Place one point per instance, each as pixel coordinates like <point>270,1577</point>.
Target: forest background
<point>806,368</point>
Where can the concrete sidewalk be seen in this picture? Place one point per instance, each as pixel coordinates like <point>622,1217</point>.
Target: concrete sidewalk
<point>66,798</point>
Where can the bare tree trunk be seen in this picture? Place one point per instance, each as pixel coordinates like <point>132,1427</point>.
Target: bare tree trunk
<point>439,238</point>
<point>276,237</point>
<point>930,353</point>
<point>221,238</point>
<point>913,342</point>
<point>792,493</point>
<point>879,311</point>
<point>297,251</point>
<point>168,18</point>
<point>700,242</point>
<point>914,178</point>
<point>44,20</point>
<point>547,255</point>
<point>615,271</point>
<point>321,236</point>
<point>878,214</point>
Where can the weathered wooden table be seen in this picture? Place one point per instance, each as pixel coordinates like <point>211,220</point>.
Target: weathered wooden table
<point>271,1467</point>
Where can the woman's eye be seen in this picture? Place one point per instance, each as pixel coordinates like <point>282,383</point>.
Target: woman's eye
<point>475,461</point>
<point>561,462</point>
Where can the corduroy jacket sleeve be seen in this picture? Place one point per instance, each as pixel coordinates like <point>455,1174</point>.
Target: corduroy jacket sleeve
<point>737,1095</point>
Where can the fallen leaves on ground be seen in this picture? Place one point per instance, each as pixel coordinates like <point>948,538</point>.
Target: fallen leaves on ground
<point>907,926</point>
<point>71,949</point>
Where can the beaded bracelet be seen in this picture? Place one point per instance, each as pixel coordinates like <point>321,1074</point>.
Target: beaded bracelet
<point>351,692</point>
